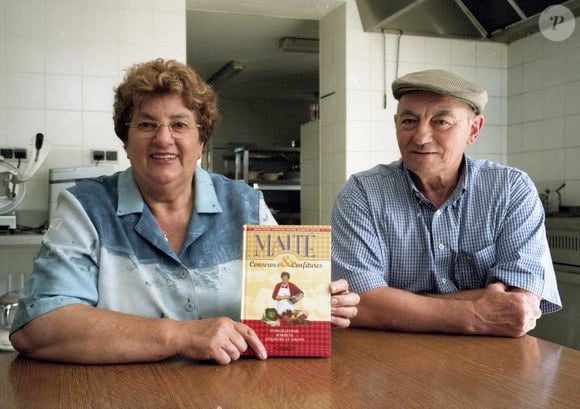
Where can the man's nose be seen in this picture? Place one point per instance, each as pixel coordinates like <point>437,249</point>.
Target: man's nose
<point>423,133</point>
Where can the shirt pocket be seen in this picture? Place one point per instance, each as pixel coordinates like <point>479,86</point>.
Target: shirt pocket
<point>472,267</point>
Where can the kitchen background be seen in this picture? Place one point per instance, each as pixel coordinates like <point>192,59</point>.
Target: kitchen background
<point>60,59</point>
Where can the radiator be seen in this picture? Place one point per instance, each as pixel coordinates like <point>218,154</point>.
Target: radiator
<point>565,249</point>
<point>563,327</point>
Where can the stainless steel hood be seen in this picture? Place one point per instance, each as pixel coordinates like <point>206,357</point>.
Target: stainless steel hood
<point>496,20</point>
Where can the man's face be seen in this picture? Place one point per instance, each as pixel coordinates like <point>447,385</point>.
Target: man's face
<point>433,132</point>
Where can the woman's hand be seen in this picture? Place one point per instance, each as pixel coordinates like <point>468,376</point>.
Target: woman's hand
<point>343,304</point>
<point>220,339</point>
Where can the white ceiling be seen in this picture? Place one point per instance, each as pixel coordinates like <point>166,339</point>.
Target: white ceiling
<point>219,31</point>
<point>304,9</point>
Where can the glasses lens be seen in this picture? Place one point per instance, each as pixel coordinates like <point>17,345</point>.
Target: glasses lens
<point>179,127</point>
<point>149,128</point>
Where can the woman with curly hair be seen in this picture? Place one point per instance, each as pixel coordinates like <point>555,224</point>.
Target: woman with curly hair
<point>145,265</point>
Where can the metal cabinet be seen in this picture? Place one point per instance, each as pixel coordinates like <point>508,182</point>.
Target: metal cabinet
<point>276,172</point>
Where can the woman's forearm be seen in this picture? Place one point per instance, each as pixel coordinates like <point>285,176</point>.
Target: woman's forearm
<point>85,334</point>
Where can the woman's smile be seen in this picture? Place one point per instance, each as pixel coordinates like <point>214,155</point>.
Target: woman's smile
<point>164,157</point>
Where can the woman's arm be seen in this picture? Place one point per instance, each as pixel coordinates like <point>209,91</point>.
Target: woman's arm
<point>84,334</point>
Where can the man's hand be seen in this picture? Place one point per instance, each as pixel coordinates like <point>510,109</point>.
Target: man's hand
<point>506,311</point>
<point>343,304</point>
<point>219,339</point>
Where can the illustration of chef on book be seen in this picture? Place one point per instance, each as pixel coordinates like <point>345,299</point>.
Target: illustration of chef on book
<point>287,294</point>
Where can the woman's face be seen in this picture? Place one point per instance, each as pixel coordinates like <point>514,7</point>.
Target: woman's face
<point>162,157</point>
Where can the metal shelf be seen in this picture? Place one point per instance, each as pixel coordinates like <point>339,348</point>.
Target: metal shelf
<point>277,185</point>
<point>243,156</point>
<point>281,194</point>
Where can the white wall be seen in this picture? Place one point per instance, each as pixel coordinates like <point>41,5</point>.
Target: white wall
<point>310,173</point>
<point>59,62</point>
<point>333,121</point>
<point>357,132</point>
<point>544,111</point>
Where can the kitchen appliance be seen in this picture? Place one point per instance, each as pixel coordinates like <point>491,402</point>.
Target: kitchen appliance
<point>563,327</point>
<point>552,200</point>
<point>11,195</point>
<point>63,178</point>
<point>12,178</point>
<point>8,306</point>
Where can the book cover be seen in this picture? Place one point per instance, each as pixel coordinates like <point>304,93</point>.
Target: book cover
<point>285,294</point>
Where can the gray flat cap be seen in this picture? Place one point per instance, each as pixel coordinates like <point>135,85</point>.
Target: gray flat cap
<point>444,83</point>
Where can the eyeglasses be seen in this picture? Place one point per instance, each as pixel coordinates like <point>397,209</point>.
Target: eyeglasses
<point>410,124</point>
<point>176,128</point>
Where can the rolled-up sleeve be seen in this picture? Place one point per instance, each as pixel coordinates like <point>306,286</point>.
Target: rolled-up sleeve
<point>522,251</point>
<point>358,252</point>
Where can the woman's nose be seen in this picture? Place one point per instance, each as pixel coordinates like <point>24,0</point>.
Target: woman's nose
<point>164,134</point>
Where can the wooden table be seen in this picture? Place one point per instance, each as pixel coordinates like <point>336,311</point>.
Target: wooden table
<point>368,369</point>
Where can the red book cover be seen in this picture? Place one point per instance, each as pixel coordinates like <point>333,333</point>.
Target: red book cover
<point>285,295</point>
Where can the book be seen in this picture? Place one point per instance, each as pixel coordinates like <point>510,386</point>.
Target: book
<point>285,288</point>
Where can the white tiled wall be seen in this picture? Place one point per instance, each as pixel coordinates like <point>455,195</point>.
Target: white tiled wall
<point>357,130</point>
<point>310,172</point>
<point>543,135</point>
<point>59,62</point>
<point>333,108</point>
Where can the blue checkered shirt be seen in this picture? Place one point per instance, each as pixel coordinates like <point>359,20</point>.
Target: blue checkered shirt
<point>386,233</point>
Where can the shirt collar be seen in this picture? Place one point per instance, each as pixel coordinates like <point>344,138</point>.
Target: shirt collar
<point>459,189</point>
<point>131,201</point>
<point>206,200</point>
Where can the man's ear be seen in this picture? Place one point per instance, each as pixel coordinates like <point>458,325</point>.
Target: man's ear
<point>475,128</point>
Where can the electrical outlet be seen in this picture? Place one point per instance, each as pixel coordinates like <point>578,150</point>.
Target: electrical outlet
<point>7,153</point>
<point>111,156</point>
<point>19,153</point>
<point>98,156</point>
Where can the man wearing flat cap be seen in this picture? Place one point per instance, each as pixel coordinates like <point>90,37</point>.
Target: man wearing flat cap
<point>438,241</point>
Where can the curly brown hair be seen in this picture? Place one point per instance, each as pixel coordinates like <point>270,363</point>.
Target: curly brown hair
<point>162,77</point>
